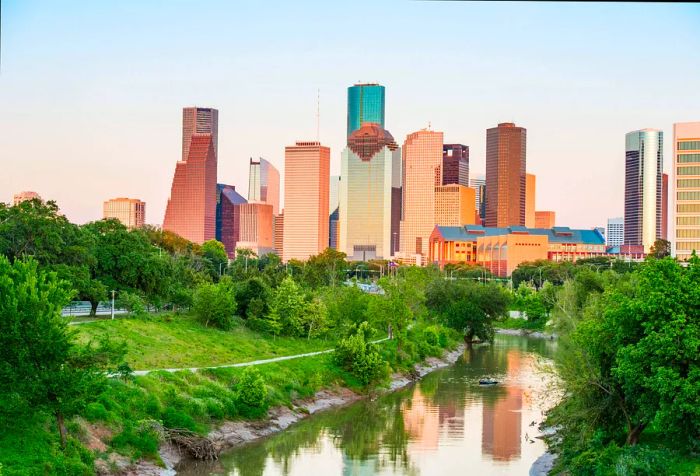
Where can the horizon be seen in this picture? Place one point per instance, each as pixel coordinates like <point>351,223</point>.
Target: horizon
<point>78,107</point>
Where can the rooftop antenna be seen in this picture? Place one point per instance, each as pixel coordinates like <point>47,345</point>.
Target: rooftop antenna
<point>318,115</point>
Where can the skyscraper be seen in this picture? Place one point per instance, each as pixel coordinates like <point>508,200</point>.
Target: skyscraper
<point>306,181</point>
<point>196,121</point>
<point>544,219</point>
<point>530,188</point>
<point>616,232</point>
<point>664,206</point>
<point>478,183</point>
<point>365,104</point>
<point>505,175</point>
<point>191,209</point>
<point>455,205</point>
<point>643,187</point>
<point>686,178</point>
<point>130,211</point>
<point>455,164</point>
<point>422,172</point>
<point>278,234</point>
<point>334,217</point>
<point>228,219</point>
<point>367,165</point>
<point>256,232</point>
<point>264,184</point>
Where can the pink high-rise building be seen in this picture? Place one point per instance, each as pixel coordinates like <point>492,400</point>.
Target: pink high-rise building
<point>130,211</point>
<point>306,182</point>
<point>422,173</point>
<point>191,209</point>
<point>256,231</point>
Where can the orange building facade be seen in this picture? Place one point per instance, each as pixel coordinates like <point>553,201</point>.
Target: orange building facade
<point>501,250</point>
<point>422,173</point>
<point>306,189</point>
<point>256,231</point>
<point>530,190</point>
<point>545,219</point>
<point>505,175</point>
<point>130,211</point>
<point>455,205</point>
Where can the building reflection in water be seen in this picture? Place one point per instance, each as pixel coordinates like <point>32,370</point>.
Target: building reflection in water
<point>502,419</point>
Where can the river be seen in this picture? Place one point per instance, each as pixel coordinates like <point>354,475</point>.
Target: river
<point>445,424</point>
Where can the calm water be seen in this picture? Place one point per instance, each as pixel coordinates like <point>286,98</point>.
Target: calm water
<point>445,424</point>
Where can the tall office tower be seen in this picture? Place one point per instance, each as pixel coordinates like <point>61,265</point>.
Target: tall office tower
<point>228,220</point>
<point>264,184</point>
<point>333,203</point>
<point>278,234</point>
<point>686,178</point>
<point>365,104</point>
<point>544,219</point>
<point>478,183</point>
<point>505,175</point>
<point>334,229</point>
<point>130,211</point>
<point>455,205</point>
<point>455,164</point>
<point>191,209</point>
<point>306,181</point>
<point>334,193</point>
<point>664,206</point>
<point>530,182</point>
<point>366,193</point>
<point>396,204</point>
<point>197,121</point>
<point>643,187</point>
<point>24,197</point>
<point>256,228</point>
<point>616,232</point>
<point>422,172</point>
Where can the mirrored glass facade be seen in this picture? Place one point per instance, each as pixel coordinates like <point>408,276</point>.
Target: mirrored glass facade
<point>365,104</point>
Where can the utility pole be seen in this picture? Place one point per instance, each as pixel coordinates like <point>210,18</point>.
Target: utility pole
<point>113,291</point>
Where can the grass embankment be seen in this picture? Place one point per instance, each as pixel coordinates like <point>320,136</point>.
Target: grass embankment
<point>168,341</point>
<point>198,401</point>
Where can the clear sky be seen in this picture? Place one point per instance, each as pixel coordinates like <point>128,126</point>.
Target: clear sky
<point>91,91</point>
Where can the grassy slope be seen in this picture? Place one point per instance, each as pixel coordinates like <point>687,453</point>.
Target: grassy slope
<point>175,342</point>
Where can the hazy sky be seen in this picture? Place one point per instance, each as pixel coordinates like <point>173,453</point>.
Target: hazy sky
<point>91,92</point>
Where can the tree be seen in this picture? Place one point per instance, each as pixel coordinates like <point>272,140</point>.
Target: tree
<point>325,269</point>
<point>287,309</point>
<point>660,249</point>
<point>392,309</point>
<point>347,308</point>
<point>214,252</point>
<point>214,304</point>
<point>41,366</point>
<point>468,307</point>
<point>315,318</point>
<point>630,360</point>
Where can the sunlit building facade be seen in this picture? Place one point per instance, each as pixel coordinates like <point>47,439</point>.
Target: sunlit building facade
<point>367,165</point>
<point>643,187</point>
<point>24,197</point>
<point>530,188</point>
<point>478,183</point>
<point>264,184</point>
<point>306,181</point>
<point>256,228</point>
<point>131,212</point>
<point>686,199</point>
<point>545,219</point>
<point>365,104</point>
<point>616,231</point>
<point>422,172</point>
<point>278,234</point>
<point>455,205</point>
<point>505,175</point>
<point>197,121</point>
<point>191,208</point>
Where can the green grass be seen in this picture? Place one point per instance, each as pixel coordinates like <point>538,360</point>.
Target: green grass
<point>516,323</point>
<point>173,341</point>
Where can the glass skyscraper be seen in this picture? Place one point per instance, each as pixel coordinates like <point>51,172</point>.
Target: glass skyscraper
<point>365,104</point>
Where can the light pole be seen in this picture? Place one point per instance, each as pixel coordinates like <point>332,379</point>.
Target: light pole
<point>113,291</point>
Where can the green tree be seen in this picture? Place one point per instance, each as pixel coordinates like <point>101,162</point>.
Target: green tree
<point>251,393</point>
<point>660,249</point>
<point>287,309</point>
<point>325,269</point>
<point>214,304</point>
<point>315,318</point>
<point>392,309</point>
<point>215,254</point>
<point>41,366</point>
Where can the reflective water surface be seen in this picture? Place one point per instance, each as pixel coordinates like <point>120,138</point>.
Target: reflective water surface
<point>446,424</point>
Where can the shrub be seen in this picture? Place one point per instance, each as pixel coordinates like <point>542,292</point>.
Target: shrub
<point>360,357</point>
<point>173,418</point>
<point>142,440</point>
<point>132,302</point>
<point>214,304</point>
<point>96,411</point>
<point>251,394</point>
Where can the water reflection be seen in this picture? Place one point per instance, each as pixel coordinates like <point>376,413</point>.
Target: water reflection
<point>446,424</point>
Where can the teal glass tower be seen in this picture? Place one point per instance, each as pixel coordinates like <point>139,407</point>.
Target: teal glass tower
<point>365,104</point>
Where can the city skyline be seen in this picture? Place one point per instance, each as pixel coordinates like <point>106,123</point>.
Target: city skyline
<point>556,98</point>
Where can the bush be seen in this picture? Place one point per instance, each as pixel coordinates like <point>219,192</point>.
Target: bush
<point>360,357</point>
<point>214,304</point>
<point>173,418</point>
<point>132,302</point>
<point>143,441</point>
<point>96,411</point>
<point>251,394</point>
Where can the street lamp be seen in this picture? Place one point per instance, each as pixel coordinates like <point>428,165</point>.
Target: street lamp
<point>113,291</point>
